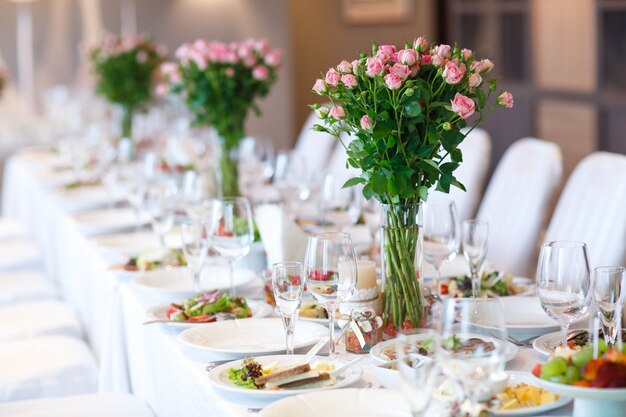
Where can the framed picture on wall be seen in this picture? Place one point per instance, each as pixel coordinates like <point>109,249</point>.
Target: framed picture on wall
<point>376,12</point>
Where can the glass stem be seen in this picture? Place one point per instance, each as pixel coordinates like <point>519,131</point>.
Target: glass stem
<point>330,310</point>
<point>196,281</point>
<point>564,331</point>
<point>231,275</point>
<point>288,323</point>
<point>475,283</point>
<point>437,282</point>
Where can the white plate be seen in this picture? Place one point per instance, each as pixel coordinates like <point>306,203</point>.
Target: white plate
<point>517,377</point>
<point>350,402</point>
<point>379,357</point>
<point>547,343</point>
<point>251,337</point>
<point>108,221</point>
<point>258,309</point>
<point>219,378</point>
<point>132,244</point>
<point>598,394</point>
<point>177,282</point>
<point>524,315</point>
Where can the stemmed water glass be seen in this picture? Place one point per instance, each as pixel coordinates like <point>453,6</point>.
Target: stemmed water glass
<point>231,231</point>
<point>608,297</point>
<point>195,248</point>
<point>441,235</point>
<point>288,283</point>
<point>475,235</point>
<point>341,206</point>
<point>563,282</point>
<point>160,200</point>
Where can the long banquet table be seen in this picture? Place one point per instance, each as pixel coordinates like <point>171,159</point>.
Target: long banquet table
<point>145,360</point>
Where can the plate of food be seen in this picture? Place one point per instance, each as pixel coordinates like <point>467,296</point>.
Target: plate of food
<point>269,378</point>
<point>251,337</point>
<point>493,283</point>
<point>525,316</point>
<point>576,340</point>
<point>150,260</point>
<point>202,308</point>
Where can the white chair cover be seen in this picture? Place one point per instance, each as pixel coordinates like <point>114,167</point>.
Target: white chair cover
<point>18,254</point>
<point>37,318</point>
<point>281,236</point>
<point>516,202</point>
<point>25,285</point>
<point>95,405</point>
<point>315,146</point>
<point>592,208</point>
<point>44,367</point>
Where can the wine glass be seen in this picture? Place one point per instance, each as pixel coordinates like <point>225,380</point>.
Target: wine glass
<point>292,179</point>
<point>563,282</point>
<point>609,299</point>
<point>331,273</point>
<point>288,284</point>
<point>472,349</point>
<point>441,235</point>
<point>195,249</point>
<point>475,235</point>
<point>341,206</point>
<point>160,200</point>
<point>231,231</point>
<point>418,372</point>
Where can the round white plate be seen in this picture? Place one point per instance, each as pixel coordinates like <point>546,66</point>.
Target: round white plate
<point>598,394</point>
<point>251,337</point>
<point>177,283</point>
<point>524,315</point>
<point>349,402</point>
<point>258,308</point>
<point>518,377</point>
<point>108,220</point>
<point>547,343</point>
<point>219,378</point>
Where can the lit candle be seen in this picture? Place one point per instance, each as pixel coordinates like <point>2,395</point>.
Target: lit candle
<point>366,273</point>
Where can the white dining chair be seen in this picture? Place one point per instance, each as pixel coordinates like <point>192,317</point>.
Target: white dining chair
<point>516,203</point>
<point>25,285</point>
<point>46,367</point>
<point>30,319</point>
<point>315,146</point>
<point>592,209</point>
<point>92,405</point>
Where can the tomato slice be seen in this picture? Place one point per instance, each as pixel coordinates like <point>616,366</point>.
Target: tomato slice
<point>202,317</point>
<point>537,370</point>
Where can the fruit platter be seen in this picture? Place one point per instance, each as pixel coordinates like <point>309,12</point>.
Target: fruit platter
<point>493,283</point>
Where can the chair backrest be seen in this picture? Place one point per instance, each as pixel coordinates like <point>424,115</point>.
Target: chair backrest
<point>592,208</point>
<point>517,201</point>
<point>315,146</point>
<point>471,173</point>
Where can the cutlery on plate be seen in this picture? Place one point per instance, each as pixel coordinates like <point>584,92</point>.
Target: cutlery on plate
<point>209,319</point>
<point>345,367</point>
<point>313,351</point>
<point>215,364</point>
<point>522,343</point>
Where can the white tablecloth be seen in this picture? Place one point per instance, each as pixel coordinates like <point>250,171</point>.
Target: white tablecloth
<point>145,360</point>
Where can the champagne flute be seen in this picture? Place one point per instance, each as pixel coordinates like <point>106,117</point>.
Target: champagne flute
<point>441,235</point>
<point>609,299</point>
<point>331,273</point>
<point>231,231</point>
<point>288,284</point>
<point>563,282</point>
<point>475,234</point>
<point>195,248</point>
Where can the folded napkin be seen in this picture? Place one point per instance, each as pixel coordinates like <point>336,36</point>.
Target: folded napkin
<point>282,238</point>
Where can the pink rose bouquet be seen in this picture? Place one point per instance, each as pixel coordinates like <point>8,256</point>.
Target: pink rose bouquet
<point>220,82</point>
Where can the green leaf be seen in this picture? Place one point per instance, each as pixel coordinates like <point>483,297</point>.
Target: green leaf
<point>368,192</point>
<point>422,192</point>
<point>429,166</point>
<point>457,184</point>
<point>379,183</point>
<point>353,181</point>
<point>425,151</point>
<point>413,109</point>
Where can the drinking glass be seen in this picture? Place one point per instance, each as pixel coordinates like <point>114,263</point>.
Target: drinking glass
<point>418,373</point>
<point>160,205</point>
<point>195,248</point>
<point>341,206</point>
<point>330,270</point>
<point>441,235</point>
<point>231,231</point>
<point>292,179</point>
<point>288,284</point>
<point>475,235</point>
<point>472,349</point>
<point>563,282</point>
<point>609,299</point>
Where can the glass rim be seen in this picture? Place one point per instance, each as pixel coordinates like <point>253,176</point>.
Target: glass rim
<point>287,263</point>
<point>609,269</point>
<point>564,244</point>
<point>330,235</point>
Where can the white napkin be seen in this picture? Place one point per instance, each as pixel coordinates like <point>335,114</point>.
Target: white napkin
<point>281,236</point>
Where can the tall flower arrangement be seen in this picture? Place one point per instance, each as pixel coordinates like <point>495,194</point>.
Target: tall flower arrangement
<point>221,82</point>
<point>125,68</point>
<point>404,110</point>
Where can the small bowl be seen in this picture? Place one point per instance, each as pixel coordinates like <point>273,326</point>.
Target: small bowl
<point>386,376</point>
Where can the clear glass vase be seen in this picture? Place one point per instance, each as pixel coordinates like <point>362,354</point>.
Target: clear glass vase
<point>401,265</point>
<point>229,173</point>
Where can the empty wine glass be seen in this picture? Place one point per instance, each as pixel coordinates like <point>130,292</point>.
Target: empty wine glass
<point>195,249</point>
<point>160,206</point>
<point>231,231</point>
<point>331,273</point>
<point>609,299</point>
<point>441,235</point>
<point>341,206</point>
<point>288,284</point>
<point>475,235</point>
<point>563,282</point>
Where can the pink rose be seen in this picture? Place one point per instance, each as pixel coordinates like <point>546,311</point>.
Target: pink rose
<point>274,57</point>
<point>453,73</point>
<point>393,81</point>
<point>355,66</point>
<point>475,80</point>
<point>442,50</point>
<point>319,87</point>
<point>414,69</point>
<point>249,61</point>
<point>322,112</point>
<point>438,60</point>
<point>387,50</point>
<point>230,72</point>
<point>484,65</point>
<point>349,80</point>
<point>419,44</point>
<point>260,72</point>
<point>400,70</point>
<point>366,122</point>
<point>425,59</point>
<point>506,100</point>
<point>374,67</point>
<point>162,89</point>
<point>262,46</point>
<point>344,67</point>
<point>467,54</point>
<point>332,77</point>
<point>337,113</point>
<point>408,57</point>
<point>463,106</point>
